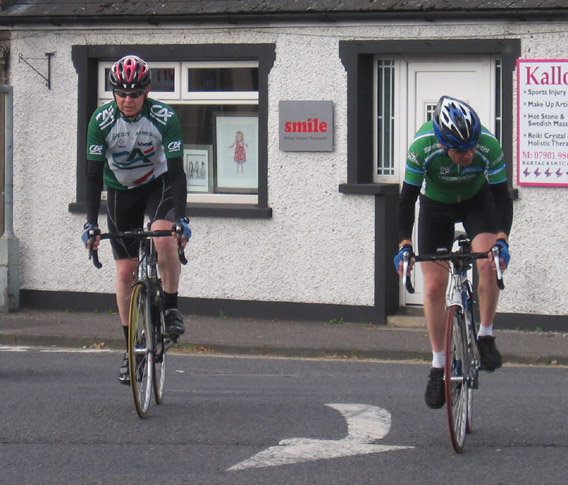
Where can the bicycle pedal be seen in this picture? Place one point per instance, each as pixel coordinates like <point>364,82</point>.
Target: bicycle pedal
<point>169,341</point>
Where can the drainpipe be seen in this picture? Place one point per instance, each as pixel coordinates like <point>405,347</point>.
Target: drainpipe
<point>9,244</point>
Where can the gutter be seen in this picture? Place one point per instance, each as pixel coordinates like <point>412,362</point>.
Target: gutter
<point>520,15</point>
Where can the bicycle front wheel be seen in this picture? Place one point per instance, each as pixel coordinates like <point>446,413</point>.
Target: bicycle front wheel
<point>458,392</point>
<point>140,352</point>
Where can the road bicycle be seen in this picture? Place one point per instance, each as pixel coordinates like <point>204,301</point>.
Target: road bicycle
<point>462,365</point>
<point>147,338</point>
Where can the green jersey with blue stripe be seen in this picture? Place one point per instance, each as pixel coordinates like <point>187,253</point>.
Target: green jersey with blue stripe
<point>429,167</point>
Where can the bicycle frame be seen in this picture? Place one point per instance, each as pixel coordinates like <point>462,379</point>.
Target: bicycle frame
<point>460,289</point>
<point>460,294</point>
<point>147,274</point>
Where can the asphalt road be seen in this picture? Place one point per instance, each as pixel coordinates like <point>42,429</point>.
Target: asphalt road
<point>228,420</point>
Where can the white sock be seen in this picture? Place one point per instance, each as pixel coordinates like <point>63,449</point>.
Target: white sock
<point>439,359</point>
<point>485,331</point>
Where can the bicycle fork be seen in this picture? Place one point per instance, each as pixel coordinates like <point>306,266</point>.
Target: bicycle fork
<point>471,335</point>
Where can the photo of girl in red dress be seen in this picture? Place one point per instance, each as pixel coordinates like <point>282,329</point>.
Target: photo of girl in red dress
<point>240,156</point>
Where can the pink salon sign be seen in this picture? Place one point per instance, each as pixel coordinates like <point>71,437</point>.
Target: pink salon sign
<point>542,122</point>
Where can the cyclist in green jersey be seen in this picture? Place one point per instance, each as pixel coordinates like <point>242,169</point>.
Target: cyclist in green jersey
<point>135,148</point>
<point>457,167</point>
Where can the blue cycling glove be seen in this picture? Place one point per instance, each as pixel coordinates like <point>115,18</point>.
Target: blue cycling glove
<point>87,232</point>
<point>185,230</point>
<point>503,251</point>
<point>399,256</point>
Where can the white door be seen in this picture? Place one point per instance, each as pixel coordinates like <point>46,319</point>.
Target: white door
<point>471,80</point>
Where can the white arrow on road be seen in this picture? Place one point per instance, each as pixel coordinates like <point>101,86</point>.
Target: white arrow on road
<point>365,425</point>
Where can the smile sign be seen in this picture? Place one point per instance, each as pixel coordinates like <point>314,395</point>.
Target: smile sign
<point>306,126</point>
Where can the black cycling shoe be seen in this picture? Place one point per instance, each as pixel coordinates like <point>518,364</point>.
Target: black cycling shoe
<point>435,396</point>
<point>490,357</point>
<point>123,375</point>
<point>174,322</point>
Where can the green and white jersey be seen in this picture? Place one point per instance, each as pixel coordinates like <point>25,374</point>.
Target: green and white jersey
<point>134,152</point>
<point>429,166</point>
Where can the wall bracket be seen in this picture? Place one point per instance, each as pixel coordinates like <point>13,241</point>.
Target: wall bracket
<point>47,78</point>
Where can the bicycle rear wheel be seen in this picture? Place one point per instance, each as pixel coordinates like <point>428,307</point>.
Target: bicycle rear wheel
<point>458,392</point>
<point>140,352</point>
<point>160,360</point>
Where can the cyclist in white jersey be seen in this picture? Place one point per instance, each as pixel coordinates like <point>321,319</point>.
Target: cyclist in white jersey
<point>135,148</point>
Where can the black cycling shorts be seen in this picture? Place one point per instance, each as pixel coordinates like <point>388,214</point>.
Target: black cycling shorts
<point>126,210</point>
<point>436,224</point>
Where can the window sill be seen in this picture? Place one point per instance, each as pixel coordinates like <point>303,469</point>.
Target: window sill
<point>369,189</point>
<point>238,211</point>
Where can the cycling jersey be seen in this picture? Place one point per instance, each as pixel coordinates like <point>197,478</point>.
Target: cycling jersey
<point>134,152</point>
<point>429,166</point>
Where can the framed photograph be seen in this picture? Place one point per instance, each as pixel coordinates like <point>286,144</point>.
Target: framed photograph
<point>198,161</point>
<point>236,148</point>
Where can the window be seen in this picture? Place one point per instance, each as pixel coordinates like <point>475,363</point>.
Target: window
<point>385,118</point>
<point>499,99</point>
<point>220,94</point>
<point>217,104</point>
<point>370,136</point>
<point>385,73</point>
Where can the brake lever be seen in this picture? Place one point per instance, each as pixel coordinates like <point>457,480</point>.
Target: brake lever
<point>181,252</point>
<point>405,277</point>
<point>94,255</point>
<point>496,260</point>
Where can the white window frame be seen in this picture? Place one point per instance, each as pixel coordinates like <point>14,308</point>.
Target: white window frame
<point>217,97</point>
<point>105,96</point>
<point>399,124</point>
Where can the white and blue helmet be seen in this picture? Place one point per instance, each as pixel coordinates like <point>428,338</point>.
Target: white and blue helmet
<point>456,124</point>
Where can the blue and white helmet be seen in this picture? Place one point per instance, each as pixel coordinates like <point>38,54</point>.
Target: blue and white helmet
<point>456,124</point>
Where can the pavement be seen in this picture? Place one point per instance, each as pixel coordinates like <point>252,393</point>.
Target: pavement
<point>402,339</point>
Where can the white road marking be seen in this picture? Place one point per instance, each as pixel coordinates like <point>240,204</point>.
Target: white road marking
<point>365,425</point>
<point>16,348</point>
<point>6,348</point>
<point>75,351</point>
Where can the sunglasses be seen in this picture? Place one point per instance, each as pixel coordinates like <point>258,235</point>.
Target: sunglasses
<point>461,152</point>
<point>132,94</point>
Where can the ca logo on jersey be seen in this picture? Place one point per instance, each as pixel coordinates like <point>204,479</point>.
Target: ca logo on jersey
<point>174,146</point>
<point>95,149</point>
<point>160,113</point>
<point>134,159</point>
<point>105,117</point>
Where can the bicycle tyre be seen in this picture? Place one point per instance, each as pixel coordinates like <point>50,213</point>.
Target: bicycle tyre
<point>458,392</point>
<point>140,351</point>
<point>159,384</point>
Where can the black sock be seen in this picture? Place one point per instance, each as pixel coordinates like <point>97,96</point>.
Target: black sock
<point>125,330</point>
<point>170,300</point>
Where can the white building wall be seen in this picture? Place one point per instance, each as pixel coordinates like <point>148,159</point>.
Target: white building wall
<point>319,245</point>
